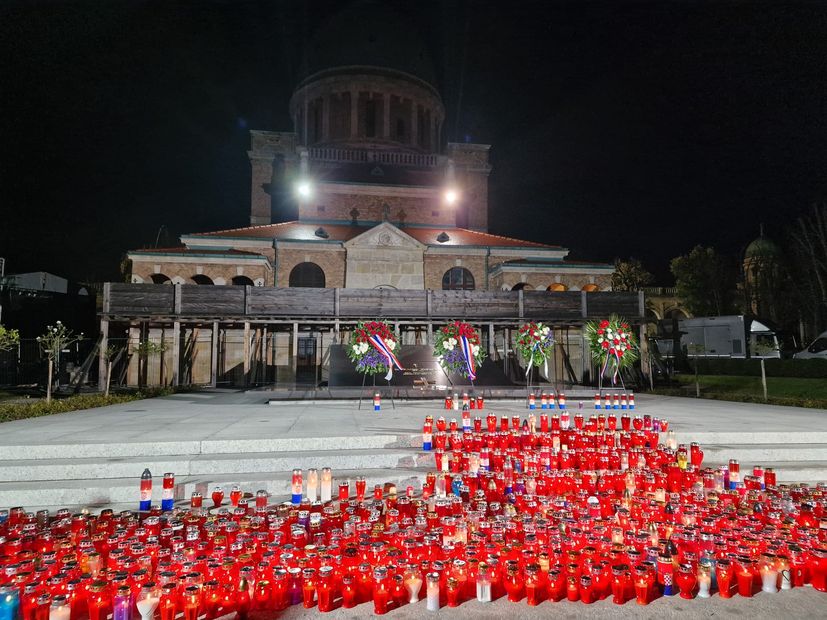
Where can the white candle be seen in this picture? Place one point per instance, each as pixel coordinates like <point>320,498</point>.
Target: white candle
<point>704,584</point>
<point>146,607</point>
<point>312,484</point>
<point>413,583</point>
<point>432,596</point>
<point>769,580</point>
<point>327,484</point>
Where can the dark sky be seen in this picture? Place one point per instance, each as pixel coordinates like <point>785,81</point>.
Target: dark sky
<point>618,128</point>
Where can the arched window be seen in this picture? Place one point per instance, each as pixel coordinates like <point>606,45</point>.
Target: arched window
<point>522,286</point>
<point>370,118</point>
<point>242,281</point>
<point>307,275</point>
<point>201,279</point>
<point>159,278</point>
<point>590,288</point>
<point>458,279</point>
<point>557,287</point>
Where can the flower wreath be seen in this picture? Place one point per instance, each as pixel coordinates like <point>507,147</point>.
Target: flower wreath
<point>534,344</point>
<point>371,349</point>
<point>612,344</point>
<point>457,347</point>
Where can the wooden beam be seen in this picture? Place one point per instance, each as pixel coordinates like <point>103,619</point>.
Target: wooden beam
<point>104,344</point>
<point>492,347</point>
<point>176,353</point>
<point>246,353</point>
<point>294,345</point>
<point>214,355</point>
<point>584,304</point>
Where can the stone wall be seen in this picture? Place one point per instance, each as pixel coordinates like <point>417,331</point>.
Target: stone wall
<point>540,281</point>
<point>335,206</point>
<point>181,272</point>
<point>392,266</point>
<point>437,264</point>
<point>331,259</point>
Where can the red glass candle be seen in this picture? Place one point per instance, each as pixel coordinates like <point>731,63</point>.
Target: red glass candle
<point>217,496</point>
<point>817,565</point>
<point>687,580</point>
<point>723,574</point>
<point>643,583</point>
<point>191,602</point>
<point>167,604</point>
<point>452,592</point>
<point>620,580</point>
<point>745,577</point>
<point>361,484</point>
<point>348,591</point>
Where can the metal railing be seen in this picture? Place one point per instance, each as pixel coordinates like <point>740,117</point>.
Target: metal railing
<point>399,158</point>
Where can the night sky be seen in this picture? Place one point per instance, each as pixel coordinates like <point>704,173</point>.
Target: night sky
<point>617,128</point>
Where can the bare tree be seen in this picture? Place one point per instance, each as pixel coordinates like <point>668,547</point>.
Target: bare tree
<point>809,236</point>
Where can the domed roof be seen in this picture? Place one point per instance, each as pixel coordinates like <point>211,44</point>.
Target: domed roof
<point>369,33</point>
<point>762,248</point>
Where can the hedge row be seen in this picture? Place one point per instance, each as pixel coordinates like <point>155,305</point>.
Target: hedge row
<point>807,403</point>
<point>807,369</point>
<point>39,407</point>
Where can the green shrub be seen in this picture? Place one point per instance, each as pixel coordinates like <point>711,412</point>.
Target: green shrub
<point>38,408</point>
<point>807,369</point>
<point>787,401</point>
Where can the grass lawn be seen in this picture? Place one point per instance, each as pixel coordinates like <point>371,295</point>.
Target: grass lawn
<point>784,387</point>
<point>793,391</point>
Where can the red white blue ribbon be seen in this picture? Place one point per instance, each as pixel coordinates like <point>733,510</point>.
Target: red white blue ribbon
<point>606,365</point>
<point>470,364</point>
<point>390,359</point>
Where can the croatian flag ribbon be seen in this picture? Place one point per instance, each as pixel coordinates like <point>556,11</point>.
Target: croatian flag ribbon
<point>616,365</point>
<point>531,360</point>
<point>469,358</point>
<point>381,346</point>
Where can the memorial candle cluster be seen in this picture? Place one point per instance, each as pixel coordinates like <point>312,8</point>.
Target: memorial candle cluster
<point>535,510</point>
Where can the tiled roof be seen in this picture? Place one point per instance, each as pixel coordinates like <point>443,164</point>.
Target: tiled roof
<point>200,252</point>
<point>306,231</point>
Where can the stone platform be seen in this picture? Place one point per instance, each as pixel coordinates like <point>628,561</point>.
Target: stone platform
<point>94,458</point>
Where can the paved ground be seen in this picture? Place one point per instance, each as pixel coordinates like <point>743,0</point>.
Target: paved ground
<point>232,415</point>
<point>799,603</point>
<point>240,415</point>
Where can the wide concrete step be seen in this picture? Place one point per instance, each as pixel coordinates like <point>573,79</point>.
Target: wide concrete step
<point>99,493</point>
<point>211,464</point>
<point>211,446</point>
<point>788,472</point>
<point>768,454</point>
<point>748,437</point>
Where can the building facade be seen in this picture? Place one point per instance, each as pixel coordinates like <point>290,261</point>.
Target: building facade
<point>379,200</point>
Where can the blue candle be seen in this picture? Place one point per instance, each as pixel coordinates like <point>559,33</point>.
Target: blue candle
<point>9,602</point>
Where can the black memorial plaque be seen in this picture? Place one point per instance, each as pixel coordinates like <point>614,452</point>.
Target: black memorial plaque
<point>421,370</point>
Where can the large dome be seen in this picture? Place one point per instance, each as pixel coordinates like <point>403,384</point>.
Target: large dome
<point>762,248</point>
<point>369,33</point>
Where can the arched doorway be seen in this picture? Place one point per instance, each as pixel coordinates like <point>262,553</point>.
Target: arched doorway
<point>557,287</point>
<point>202,279</point>
<point>159,278</point>
<point>242,281</point>
<point>522,286</point>
<point>590,288</point>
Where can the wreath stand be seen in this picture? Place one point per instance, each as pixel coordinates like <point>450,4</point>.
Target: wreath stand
<point>530,384</point>
<point>600,380</point>
<point>362,391</point>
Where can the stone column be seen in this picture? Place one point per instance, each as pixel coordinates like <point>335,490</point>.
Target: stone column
<point>414,124</point>
<point>386,116</point>
<point>354,114</point>
<point>326,118</point>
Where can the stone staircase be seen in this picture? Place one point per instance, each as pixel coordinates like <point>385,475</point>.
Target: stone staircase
<point>99,475</point>
<point>107,475</point>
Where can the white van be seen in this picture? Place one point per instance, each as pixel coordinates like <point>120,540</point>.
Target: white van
<point>816,350</point>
